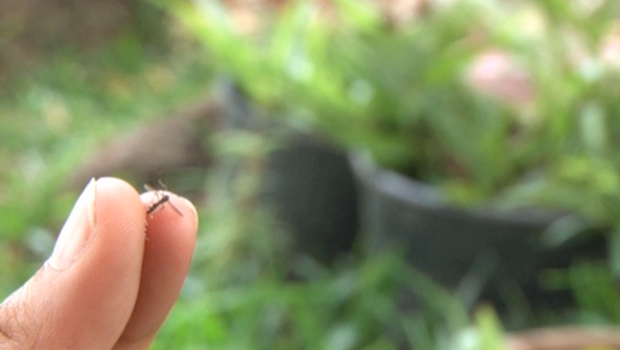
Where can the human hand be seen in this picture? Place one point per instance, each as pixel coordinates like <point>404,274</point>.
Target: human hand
<point>105,286</point>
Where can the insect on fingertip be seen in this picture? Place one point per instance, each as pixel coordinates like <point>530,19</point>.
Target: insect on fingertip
<point>163,198</point>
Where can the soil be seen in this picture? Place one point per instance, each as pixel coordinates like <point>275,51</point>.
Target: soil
<point>32,29</point>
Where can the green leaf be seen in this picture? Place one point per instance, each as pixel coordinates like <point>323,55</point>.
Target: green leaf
<point>593,128</point>
<point>490,330</point>
<point>362,14</point>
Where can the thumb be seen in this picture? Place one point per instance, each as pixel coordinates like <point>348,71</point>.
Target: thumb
<point>84,294</point>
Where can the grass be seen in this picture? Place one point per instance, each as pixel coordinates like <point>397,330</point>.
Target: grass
<point>55,116</point>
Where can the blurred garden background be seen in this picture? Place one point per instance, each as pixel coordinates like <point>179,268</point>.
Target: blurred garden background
<point>377,175</point>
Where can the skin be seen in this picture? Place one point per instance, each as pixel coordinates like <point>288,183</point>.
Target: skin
<point>120,290</point>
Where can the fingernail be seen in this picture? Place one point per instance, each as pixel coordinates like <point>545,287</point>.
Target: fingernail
<point>77,231</point>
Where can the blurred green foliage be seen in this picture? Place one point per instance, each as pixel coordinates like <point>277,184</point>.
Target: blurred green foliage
<point>248,290</point>
<point>408,94</point>
<point>53,119</point>
<point>349,308</point>
<point>398,91</point>
<point>405,93</point>
<point>401,92</point>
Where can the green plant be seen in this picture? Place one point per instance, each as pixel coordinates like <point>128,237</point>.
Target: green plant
<point>401,91</point>
<point>246,290</point>
<point>406,93</point>
<point>237,296</point>
<point>352,307</point>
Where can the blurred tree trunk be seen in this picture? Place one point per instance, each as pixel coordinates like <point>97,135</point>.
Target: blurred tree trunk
<point>174,142</point>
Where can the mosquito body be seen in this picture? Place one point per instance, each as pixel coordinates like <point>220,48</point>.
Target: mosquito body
<point>163,198</point>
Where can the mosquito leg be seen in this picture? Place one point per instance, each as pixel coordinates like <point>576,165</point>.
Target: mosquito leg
<point>162,198</point>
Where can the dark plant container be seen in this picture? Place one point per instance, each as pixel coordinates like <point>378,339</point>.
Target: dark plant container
<point>312,189</point>
<point>448,242</point>
<point>308,181</point>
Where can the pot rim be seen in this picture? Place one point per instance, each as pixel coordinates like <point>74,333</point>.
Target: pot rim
<point>429,198</point>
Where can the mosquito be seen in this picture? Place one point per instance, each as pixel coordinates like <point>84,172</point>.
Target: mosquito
<point>163,198</point>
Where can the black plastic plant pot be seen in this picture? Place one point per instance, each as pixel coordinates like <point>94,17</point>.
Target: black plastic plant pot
<point>311,186</point>
<point>449,243</point>
<point>308,182</point>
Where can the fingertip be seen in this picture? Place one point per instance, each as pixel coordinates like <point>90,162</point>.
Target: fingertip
<point>105,205</point>
<point>176,214</point>
<point>90,300</point>
<point>171,240</point>
<point>191,208</point>
<point>118,191</point>
<point>119,208</point>
<point>189,213</point>
<point>171,235</point>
